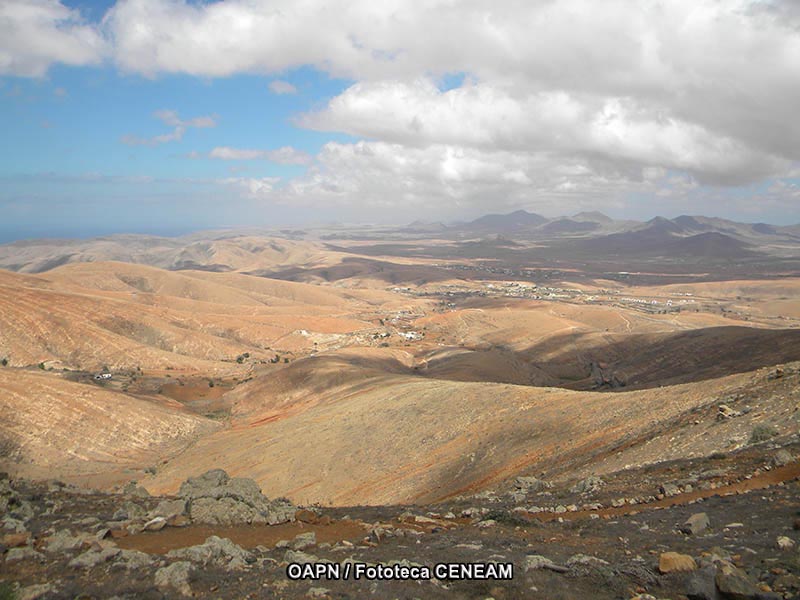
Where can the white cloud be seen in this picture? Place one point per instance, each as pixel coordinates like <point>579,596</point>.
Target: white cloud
<point>708,87</point>
<point>281,87</point>
<point>251,187</point>
<point>37,33</point>
<point>560,98</point>
<point>226,153</point>
<point>283,156</point>
<point>380,178</point>
<point>170,118</point>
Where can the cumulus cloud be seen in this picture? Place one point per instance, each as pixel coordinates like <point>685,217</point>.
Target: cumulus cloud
<point>559,98</point>
<point>170,118</point>
<point>34,34</point>
<point>285,155</point>
<point>393,177</point>
<point>281,87</point>
<point>709,88</point>
<point>487,116</point>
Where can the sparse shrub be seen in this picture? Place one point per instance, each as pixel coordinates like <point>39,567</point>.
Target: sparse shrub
<point>7,591</point>
<point>211,383</point>
<point>762,433</point>
<point>4,362</point>
<point>717,456</point>
<point>285,360</point>
<point>41,366</point>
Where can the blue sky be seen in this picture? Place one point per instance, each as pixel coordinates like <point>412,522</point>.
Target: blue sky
<point>68,160</point>
<point>167,116</point>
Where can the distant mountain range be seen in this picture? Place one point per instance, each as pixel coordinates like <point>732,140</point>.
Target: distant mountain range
<point>595,224</point>
<point>593,233</point>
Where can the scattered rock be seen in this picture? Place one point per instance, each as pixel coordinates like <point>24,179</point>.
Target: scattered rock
<point>156,524</point>
<point>216,499</point>
<point>36,591</point>
<point>64,541</point>
<point>537,561</point>
<point>23,554</point>
<point>734,583</point>
<point>133,560</point>
<point>168,509</point>
<point>696,524</point>
<point>782,458</point>
<point>670,489</point>
<point>92,558</point>
<point>215,550</point>
<point>317,592</point>
<point>587,486</point>
<point>175,577</point>
<point>531,484</point>
<point>305,515</point>
<point>726,412</point>
<point>133,511</point>
<point>785,543</point>
<point>12,524</point>
<point>701,584</point>
<point>294,556</point>
<point>673,562</point>
<point>304,540</point>
<point>585,560</point>
<point>135,490</point>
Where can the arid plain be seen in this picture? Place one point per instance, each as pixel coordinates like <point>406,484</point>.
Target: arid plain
<point>382,367</point>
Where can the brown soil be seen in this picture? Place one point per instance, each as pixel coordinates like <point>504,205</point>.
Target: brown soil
<point>247,536</point>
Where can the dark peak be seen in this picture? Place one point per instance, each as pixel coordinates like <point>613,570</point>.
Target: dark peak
<point>516,219</point>
<point>663,225</point>
<point>687,221</point>
<point>764,228</point>
<point>593,216</point>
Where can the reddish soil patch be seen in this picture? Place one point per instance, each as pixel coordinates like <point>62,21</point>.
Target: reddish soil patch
<point>194,390</point>
<point>247,536</point>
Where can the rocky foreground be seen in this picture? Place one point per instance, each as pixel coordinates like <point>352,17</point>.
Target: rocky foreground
<point>724,527</point>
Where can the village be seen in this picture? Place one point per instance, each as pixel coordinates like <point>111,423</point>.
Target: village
<point>450,294</point>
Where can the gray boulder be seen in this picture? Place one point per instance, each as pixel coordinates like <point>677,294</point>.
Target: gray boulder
<point>304,540</point>
<point>175,577</point>
<point>701,585</point>
<point>215,551</point>
<point>92,558</point>
<point>217,499</point>
<point>782,458</point>
<point>36,591</point>
<point>25,553</point>
<point>531,484</point>
<point>734,583</point>
<point>135,490</point>
<point>295,556</point>
<point>168,509</point>
<point>133,560</point>
<point>535,562</point>
<point>587,486</point>
<point>696,524</point>
<point>64,541</point>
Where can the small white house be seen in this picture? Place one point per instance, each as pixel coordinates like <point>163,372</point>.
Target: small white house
<point>102,376</point>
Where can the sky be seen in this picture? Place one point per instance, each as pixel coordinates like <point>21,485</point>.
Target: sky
<point>167,116</point>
